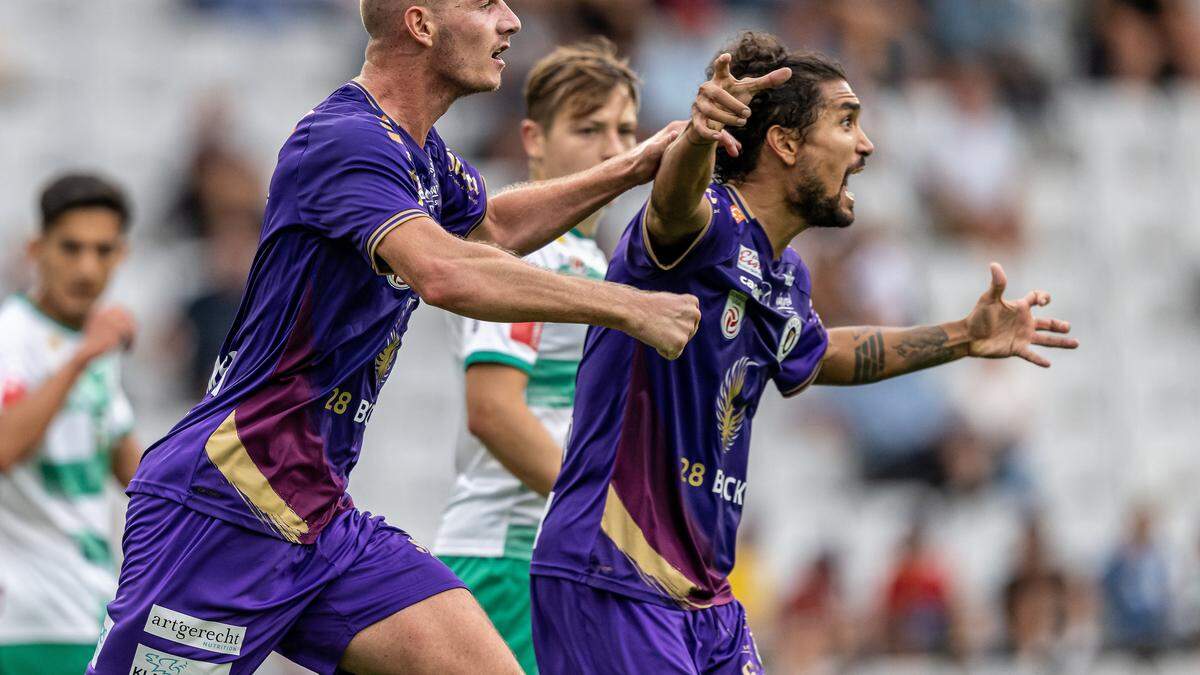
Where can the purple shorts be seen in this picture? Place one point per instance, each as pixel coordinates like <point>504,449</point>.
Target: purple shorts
<point>580,630</point>
<point>198,595</point>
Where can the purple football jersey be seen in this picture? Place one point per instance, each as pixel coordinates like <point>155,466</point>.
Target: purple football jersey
<point>654,478</point>
<point>272,443</point>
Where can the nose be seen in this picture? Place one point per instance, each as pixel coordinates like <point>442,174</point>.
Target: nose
<point>865,146</point>
<point>509,23</point>
<point>612,145</point>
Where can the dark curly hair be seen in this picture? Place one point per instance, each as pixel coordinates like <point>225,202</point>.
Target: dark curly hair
<point>795,105</point>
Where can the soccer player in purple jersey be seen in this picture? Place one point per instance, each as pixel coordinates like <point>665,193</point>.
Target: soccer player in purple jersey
<point>240,538</point>
<point>630,566</point>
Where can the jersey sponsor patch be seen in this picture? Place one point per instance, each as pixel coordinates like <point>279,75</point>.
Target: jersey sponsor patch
<point>733,315</point>
<point>11,390</point>
<point>212,636</point>
<point>748,261</point>
<point>527,334</point>
<point>104,630</point>
<point>789,338</point>
<point>150,661</point>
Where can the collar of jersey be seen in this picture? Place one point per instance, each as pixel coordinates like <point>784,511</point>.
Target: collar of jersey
<point>38,311</point>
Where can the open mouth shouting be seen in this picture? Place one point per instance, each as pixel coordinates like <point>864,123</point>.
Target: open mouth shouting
<point>858,168</point>
<point>496,54</point>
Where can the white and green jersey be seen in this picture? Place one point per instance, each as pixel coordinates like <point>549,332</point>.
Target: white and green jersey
<point>490,513</point>
<point>56,507</point>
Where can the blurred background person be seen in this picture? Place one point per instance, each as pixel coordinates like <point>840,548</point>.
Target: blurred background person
<point>66,429</point>
<point>1137,591</point>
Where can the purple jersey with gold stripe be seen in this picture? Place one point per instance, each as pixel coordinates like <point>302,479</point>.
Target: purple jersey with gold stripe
<point>654,479</point>
<point>272,443</point>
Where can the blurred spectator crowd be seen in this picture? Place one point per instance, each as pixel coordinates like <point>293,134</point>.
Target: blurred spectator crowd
<point>987,510</point>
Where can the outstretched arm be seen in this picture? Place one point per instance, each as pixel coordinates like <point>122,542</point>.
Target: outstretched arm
<point>995,329</point>
<point>482,282</point>
<point>678,211</point>
<point>527,217</point>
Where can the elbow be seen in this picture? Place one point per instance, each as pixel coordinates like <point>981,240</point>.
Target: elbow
<point>438,285</point>
<point>482,419</point>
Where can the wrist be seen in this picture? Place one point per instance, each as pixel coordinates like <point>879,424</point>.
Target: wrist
<point>79,360</point>
<point>958,337</point>
<point>693,137</point>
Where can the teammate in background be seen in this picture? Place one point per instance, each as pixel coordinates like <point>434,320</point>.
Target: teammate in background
<point>639,535</point>
<point>240,537</point>
<point>581,110</point>
<point>65,427</point>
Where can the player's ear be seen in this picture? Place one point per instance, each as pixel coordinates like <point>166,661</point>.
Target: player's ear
<point>785,143</point>
<point>35,247</point>
<point>419,21</point>
<point>533,138</point>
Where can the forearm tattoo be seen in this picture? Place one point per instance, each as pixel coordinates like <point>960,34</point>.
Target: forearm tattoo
<point>924,348</point>
<point>868,358</point>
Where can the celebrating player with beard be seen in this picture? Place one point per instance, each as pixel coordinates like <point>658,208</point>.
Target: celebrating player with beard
<point>629,569</point>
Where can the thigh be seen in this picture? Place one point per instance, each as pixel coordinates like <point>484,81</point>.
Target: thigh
<point>580,629</point>
<point>501,586</point>
<point>198,595</point>
<point>446,634</point>
<point>396,609</point>
<point>730,648</point>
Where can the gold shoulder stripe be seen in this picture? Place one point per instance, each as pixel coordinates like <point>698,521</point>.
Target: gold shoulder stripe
<point>388,225</point>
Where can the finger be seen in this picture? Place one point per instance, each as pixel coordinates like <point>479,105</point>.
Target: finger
<point>730,144</point>
<point>724,99</point>
<point>1055,325</point>
<point>1034,358</point>
<point>1037,298</point>
<point>999,281</point>
<point>1047,340</point>
<point>675,126</point>
<point>773,79</point>
<point>718,114</point>
<point>721,67</point>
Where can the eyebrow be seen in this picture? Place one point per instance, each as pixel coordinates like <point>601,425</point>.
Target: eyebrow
<point>850,105</point>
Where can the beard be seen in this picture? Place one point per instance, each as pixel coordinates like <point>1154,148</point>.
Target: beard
<point>818,209</point>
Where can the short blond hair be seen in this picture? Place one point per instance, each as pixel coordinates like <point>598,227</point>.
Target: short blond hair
<point>577,78</point>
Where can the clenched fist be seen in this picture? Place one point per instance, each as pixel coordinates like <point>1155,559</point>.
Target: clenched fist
<point>105,330</point>
<point>665,321</point>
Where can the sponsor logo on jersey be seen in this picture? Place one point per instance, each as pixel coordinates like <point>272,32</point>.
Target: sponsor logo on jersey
<point>386,358</point>
<point>748,261</point>
<point>789,337</point>
<point>736,212</point>
<point>104,630</point>
<point>731,411</point>
<point>150,661</point>
<point>220,370</point>
<point>789,277</point>
<point>11,390</point>
<point>183,629</point>
<point>429,197</point>
<point>529,334</point>
<point>733,315</point>
<point>396,282</point>
<point>784,303</point>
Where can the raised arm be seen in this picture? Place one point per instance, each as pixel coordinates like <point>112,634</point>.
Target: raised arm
<point>529,216</point>
<point>995,329</point>
<point>481,282</point>
<point>678,211</point>
<point>23,422</point>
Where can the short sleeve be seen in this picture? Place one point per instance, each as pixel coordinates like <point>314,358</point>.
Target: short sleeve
<point>712,246</point>
<point>356,184</point>
<point>802,347</point>
<point>463,191</point>
<point>509,344</point>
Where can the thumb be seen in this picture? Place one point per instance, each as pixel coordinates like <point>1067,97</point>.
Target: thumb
<point>999,282</point>
<point>771,80</point>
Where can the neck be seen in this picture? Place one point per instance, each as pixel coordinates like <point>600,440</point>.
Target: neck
<point>393,77</point>
<point>46,306</point>
<point>773,212</point>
